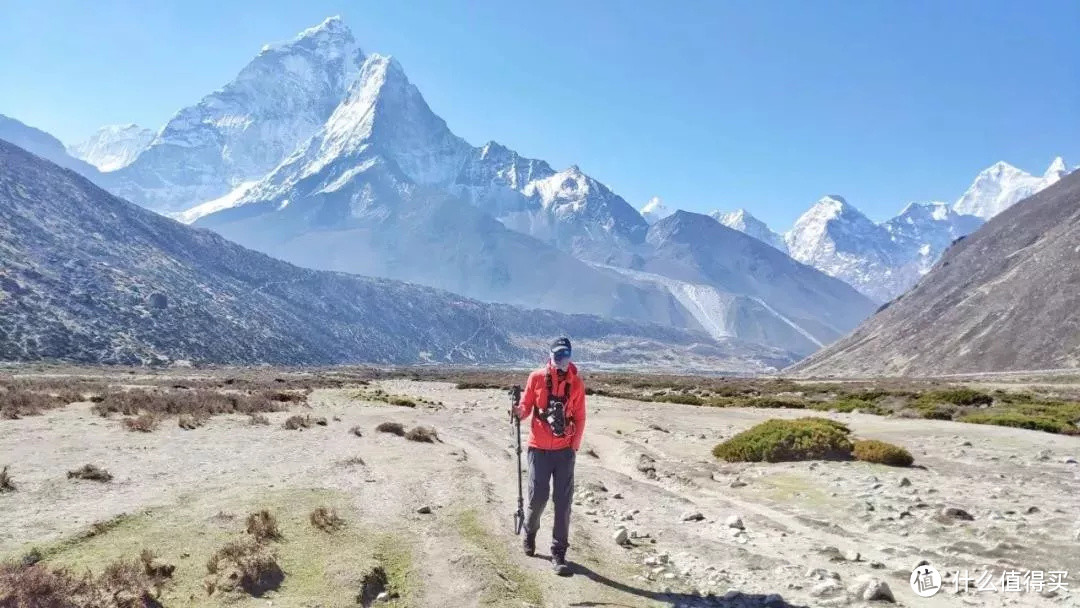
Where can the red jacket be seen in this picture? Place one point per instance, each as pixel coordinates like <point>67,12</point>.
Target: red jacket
<point>534,397</point>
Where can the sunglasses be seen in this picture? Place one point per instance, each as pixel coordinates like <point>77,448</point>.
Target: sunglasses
<point>562,355</point>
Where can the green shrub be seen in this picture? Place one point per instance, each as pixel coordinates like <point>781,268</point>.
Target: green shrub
<point>1016,419</point>
<point>776,402</point>
<point>959,396</point>
<point>872,450</point>
<point>682,398</point>
<point>786,440</point>
<point>848,405</point>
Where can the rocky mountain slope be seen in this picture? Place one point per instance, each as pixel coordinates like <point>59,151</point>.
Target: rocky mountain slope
<point>243,130</point>
<point>44,145</point>
<point>113,147</point>
<point>89,277</point>
<point>1004,298</point>
<point>736,286</point>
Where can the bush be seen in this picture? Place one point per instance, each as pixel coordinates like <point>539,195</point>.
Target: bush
<point>960,396</point>
<point>257,419</point>
<point>326,519</point>
<point>6,485</point>
<point>872,450</point>
<point>145,423</point>
<point>262,525</point>
<point>391,427</point>
<point>423,434</point>
<point>1018,420</point>
<point>122,584</point>
<point>786,440</point>
<point>848,405</point>
<point>303,422</point>
<point>776,402</point>
<point>90,472</point>
<point>681,398</point>
<point>402,401</point>
<point>473,384</point>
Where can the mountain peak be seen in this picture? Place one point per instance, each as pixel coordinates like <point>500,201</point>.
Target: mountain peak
<point>745,222</point>
<point>1057,169</point>
<point>654,210</point>
<point>330,26</point>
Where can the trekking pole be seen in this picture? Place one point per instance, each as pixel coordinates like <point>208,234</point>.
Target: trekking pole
<point>515,422</point>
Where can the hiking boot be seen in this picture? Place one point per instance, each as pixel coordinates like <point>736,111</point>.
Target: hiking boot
<point>558,563</point>
<point>529,544</point>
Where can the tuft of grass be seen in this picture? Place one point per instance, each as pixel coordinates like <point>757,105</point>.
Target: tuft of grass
<point>391,427</point>
<point>294,423</point>
<point>402,401</point>
<point>356,430</point>
<point>190,422</point>
<point>848,405</point>
<point>258,419</point>
<point>6,484</point>
<point>326,519</point>
<point>787,440</point>
<point>246,566</point>
<point>263,526</point>
<point>467,384</point>
<point>422,434</point>
<point>90,472</point>
<point>958,396</point>
<point>681,398</point>
<point>144,423</point>
<point>880,452</point>
<point>122,584</point>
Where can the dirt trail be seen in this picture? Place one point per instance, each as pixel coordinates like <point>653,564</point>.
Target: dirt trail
<point>1023,496</point>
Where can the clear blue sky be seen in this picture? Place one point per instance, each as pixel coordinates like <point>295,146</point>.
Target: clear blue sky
<point>764,104</point>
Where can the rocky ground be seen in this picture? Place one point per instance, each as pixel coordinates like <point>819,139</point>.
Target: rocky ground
<point>657,520</point>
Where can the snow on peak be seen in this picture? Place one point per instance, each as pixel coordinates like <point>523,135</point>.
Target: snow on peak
<point>1001,185</point>
<point>743,221</point>
<point>1056,170</point>
<point>113,147</point>
<point>654,210</point>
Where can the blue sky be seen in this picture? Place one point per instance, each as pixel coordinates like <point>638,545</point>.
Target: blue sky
<point>766,105</point>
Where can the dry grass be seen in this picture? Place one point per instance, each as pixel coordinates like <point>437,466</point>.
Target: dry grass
<point>872,450</point>
<point>422,434</point>
<point>327,520</point>
<point>122,584</point>
<point>263,526</point>
<point>246,566</point>
<point>6,484</point>
<point>294,423</point>
<point>356,430</point>
<point>352,461</point>
<point>395,428</point>
<point>143,423</point>
<point>90,472</point>
<point>258,419</point>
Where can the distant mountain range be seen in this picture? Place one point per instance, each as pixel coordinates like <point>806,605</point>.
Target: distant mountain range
<point>883,260</point>
<point>1003,299</point>
<point>328,157</point>
<point>91,278</point>
<point>113,147</point>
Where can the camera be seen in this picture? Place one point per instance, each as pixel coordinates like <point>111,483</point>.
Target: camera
<point>555,416</point>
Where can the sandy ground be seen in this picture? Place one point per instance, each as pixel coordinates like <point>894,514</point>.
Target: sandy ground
<point>1024,497</point>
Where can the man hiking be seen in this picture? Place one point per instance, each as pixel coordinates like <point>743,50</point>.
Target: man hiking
<point>555,398</point>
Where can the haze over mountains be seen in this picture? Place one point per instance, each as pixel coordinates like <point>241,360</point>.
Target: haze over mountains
<point>113,147</point>
<point>1005,298</point>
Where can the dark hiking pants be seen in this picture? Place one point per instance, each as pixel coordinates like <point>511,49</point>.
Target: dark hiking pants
<point>545,466</point>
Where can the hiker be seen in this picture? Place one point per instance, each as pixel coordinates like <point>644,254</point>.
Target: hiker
<point>555,398</point>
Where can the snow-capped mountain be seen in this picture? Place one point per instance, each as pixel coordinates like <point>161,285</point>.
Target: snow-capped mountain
<point>113,147</point>
<point>371,192</point>
<point>95,279</point>
<point>836,238</point>
<point>737,286</point>
<point>44,145</point>
<point>654,210</point>
<point>242,131</point>
<point>1001,185</point>
<point>925,230</point>
<point>744,222</point>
